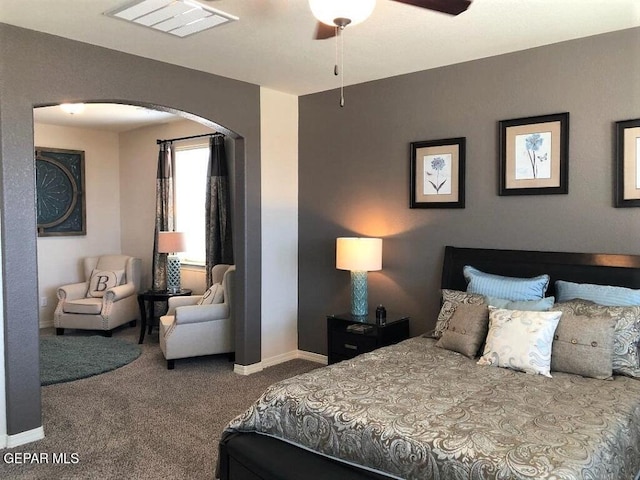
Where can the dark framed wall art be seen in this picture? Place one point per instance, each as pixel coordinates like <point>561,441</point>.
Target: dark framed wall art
<point>627,187</point>
<point>437,173</point>
<point>534,153</point>
<point>60,192</point>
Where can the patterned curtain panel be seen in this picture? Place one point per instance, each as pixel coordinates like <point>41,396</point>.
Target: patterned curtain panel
<point>164,212</point>
<point>218,241</point>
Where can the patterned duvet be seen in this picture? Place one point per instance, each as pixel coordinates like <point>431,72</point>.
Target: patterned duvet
<point>420,412</point>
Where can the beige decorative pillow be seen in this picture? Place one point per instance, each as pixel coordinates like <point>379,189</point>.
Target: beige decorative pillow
<point>520,340</point>
<point>584,345</point>
<point>467,330</point>
<point>451,299</point>
<point>214,294</point>
<point>102,280</point>
<point>626,338</point>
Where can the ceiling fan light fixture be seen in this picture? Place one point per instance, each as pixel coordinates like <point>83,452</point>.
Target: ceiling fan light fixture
<point>328,11</point>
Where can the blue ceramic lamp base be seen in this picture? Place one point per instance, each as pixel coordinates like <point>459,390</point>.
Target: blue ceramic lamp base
<point>359,305</point>
<point>173,273</point>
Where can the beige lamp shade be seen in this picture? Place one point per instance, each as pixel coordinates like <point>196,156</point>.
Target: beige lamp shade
<point>171,242</point>
<point>359,254</point>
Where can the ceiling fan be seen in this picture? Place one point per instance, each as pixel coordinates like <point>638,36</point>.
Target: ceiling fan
<point>334,15</point>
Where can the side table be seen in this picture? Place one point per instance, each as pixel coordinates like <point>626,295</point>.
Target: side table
<point>349,335</point>
<point>150,297</point>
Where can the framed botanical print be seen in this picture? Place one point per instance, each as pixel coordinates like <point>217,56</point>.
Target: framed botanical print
<point>627,186</point>
<point>533,157</point>
<point>437,173</point>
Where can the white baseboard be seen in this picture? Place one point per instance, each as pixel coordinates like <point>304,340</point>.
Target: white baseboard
<point>277,359</point>
<point>313,357</point>
<point>23,438</point>
<point>248,369</point>
<point>46,324</point>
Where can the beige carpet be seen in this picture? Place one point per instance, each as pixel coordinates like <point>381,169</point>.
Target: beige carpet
<point>143,421</point>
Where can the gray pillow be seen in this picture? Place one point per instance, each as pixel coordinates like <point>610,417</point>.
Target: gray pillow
<point>467,330</point>
<point>450,301</point>
<point>625,338</point>
<point>584,345</point>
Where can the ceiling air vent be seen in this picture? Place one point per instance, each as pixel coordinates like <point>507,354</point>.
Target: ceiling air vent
<point>177,17</point>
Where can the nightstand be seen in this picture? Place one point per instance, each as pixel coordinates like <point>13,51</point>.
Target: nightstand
<point>349,335</point>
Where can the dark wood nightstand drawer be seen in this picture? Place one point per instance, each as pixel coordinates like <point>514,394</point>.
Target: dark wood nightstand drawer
<point>349,336</point>
<point>351,344</point>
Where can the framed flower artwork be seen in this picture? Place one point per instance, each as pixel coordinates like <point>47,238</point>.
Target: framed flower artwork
<point>627,187</point>
<point>437,173</point>
<point>534,154</point>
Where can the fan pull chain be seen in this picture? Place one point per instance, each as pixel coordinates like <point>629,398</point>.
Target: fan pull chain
<point>336,72</point>
<point>342,69</point>
<point>340,59</point>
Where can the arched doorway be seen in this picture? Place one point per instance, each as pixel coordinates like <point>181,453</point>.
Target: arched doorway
<point>122,139</point>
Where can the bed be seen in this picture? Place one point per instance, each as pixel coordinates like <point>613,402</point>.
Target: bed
<point>415,410</point>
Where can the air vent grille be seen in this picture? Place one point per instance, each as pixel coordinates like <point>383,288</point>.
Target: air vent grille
<point>176,17</point>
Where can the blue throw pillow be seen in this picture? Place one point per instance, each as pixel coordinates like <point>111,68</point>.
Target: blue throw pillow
<point>525,305</point>
<point>606,295</point>
<point>508,288</point>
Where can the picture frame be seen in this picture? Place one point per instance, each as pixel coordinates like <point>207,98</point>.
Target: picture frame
<point>60,192</point>
<point>534,155</point>
<point>627,161</point>
<point>437,173</point>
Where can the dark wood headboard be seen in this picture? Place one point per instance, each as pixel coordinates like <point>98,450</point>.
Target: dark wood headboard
<point>602,269</point>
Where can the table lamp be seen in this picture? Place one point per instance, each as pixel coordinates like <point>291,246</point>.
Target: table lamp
<point>170,243</point>
<point>359,256</point>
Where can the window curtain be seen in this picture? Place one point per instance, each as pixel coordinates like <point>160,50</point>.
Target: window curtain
<point>218,239</point>
<point>164,212</point>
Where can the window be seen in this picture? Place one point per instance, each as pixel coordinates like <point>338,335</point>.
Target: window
<point>190,176</point>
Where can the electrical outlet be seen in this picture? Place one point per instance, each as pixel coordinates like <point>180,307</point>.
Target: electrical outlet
<point>43,301</point>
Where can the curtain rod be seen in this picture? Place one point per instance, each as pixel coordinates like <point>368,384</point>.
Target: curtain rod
<point>189,138</point>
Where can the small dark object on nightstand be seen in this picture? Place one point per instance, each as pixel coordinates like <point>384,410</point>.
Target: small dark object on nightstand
<point>381,315</point>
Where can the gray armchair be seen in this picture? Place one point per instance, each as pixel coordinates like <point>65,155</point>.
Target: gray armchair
<point>105,300</point>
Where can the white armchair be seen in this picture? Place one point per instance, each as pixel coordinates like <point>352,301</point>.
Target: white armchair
<point>192,330</point>
<point>105,300</point>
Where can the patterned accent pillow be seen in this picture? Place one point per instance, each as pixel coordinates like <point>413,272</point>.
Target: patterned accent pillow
<point>214,294</point>
<point>450,301</point>
<point>509,288</point>
<point>584,346</point>
<point>467,330</point>
<point>102,280</point>
<point>626,337</point>
<point>601,294</point>
<point>520,340</point>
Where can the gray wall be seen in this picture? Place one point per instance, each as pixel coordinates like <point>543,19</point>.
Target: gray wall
<point>354,171</point>
<point>38,69</point>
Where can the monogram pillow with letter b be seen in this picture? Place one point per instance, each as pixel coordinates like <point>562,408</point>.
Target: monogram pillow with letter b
<point>102,280</point>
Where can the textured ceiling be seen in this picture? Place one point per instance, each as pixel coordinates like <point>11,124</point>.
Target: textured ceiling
<point>103,116</point>
<point>272,46</point>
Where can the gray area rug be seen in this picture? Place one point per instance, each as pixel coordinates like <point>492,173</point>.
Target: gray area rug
<point>63,359</point>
